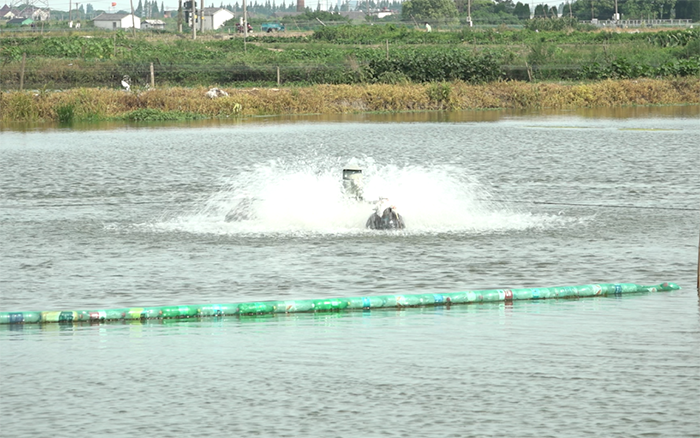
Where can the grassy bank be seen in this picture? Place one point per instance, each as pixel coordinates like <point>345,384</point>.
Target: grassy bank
<point>189,103</point>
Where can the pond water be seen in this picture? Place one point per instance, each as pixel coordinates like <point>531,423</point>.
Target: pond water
<point>105,216</point>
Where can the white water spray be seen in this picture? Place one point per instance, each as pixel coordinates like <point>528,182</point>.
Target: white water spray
<point>308,197</point>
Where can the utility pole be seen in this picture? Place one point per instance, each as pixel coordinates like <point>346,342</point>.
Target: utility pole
<point>194,27</point>
<point>133,20</point>
<point>201,17</point>
<point>179,16</point>
<point>245,22</point>
<point>469,12</point>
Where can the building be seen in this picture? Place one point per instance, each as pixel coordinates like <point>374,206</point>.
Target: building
<point>117,21</point>
<point>384,12</point>
<point>20,22</point>
<point>214,18</point>
<point>5,12</point>
<point>9,13</point>
<point>35,14</point>
<point>153,24</point>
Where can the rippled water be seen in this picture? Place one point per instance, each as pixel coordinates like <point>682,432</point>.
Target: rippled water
<point>116,216</point>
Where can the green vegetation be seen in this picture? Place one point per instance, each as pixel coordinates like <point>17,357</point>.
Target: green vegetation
<point>156,115</point>
<point>347,54</point>
<point>429,10</point>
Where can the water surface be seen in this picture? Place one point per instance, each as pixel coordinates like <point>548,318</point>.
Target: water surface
<point>116,216</point>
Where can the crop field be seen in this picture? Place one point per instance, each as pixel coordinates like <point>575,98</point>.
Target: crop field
<point>343,55</point>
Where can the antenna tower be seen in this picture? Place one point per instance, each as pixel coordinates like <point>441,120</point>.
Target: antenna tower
<point>39,4</point>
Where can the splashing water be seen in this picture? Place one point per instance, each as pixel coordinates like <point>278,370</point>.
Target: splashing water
<point>308,197</point>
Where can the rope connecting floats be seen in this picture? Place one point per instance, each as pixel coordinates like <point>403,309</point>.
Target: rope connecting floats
<point>331,304</point>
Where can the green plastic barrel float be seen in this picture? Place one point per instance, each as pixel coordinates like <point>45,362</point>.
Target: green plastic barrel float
<point>330,304</point>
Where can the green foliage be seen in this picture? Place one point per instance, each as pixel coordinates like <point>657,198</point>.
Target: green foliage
<point>435,65</point>
<point>439,92</point>
<point>679,38</point>
<point>688,51</point>
<point>76,47</point>
<point>542,54</point>
<point>549,24</point>
<point>392,77</point>
<point>65,113</point>
<point>10,53</point>
<point>156,115</point>
<point>428,9</point>
<point>321,15</point>
<point>345,54</point>
<point>622,68</point>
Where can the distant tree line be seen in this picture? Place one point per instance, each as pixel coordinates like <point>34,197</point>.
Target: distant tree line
<point>508,11</point>
<point>270,7</point>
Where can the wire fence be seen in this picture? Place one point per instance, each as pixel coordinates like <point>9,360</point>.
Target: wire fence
<point>63,74</point>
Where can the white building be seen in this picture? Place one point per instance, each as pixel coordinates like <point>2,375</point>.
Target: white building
<point>117,21</point>
<point>214,18</point>
<point>153,24</point>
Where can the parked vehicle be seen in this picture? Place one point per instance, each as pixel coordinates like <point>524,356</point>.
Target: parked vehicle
<point>272,27</point>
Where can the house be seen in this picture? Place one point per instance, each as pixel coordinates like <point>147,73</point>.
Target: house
<point>214,18</point>
<point>153,24</point>
<point>384,12</point>
<point>117,21</point>
<point>20,22</point>
<point>4,11</point>
<point>35,14</point>
<point>9,13</point>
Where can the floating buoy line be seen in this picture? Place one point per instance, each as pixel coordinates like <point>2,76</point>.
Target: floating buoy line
<point>329,304</point>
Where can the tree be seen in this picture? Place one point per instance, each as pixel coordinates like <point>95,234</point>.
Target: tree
<point>688,9</point>
<point>522,11</point>
<point>540,11</point>
<point>638,9</point>
<point>428,9</point>
<point>600,9</point>
<point>139,10</point>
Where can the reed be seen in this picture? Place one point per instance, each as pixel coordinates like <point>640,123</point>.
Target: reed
<point>182,103</point>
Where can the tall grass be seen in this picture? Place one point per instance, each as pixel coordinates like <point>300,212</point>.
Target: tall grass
<point>188,103</point>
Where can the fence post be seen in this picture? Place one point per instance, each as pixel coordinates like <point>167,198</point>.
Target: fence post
<point>278,75</point>
<point>21,74</point>
<point>153,79</point>
<point>387,50</point>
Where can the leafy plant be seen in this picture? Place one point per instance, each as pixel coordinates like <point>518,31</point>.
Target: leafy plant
<point>65,113</point>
